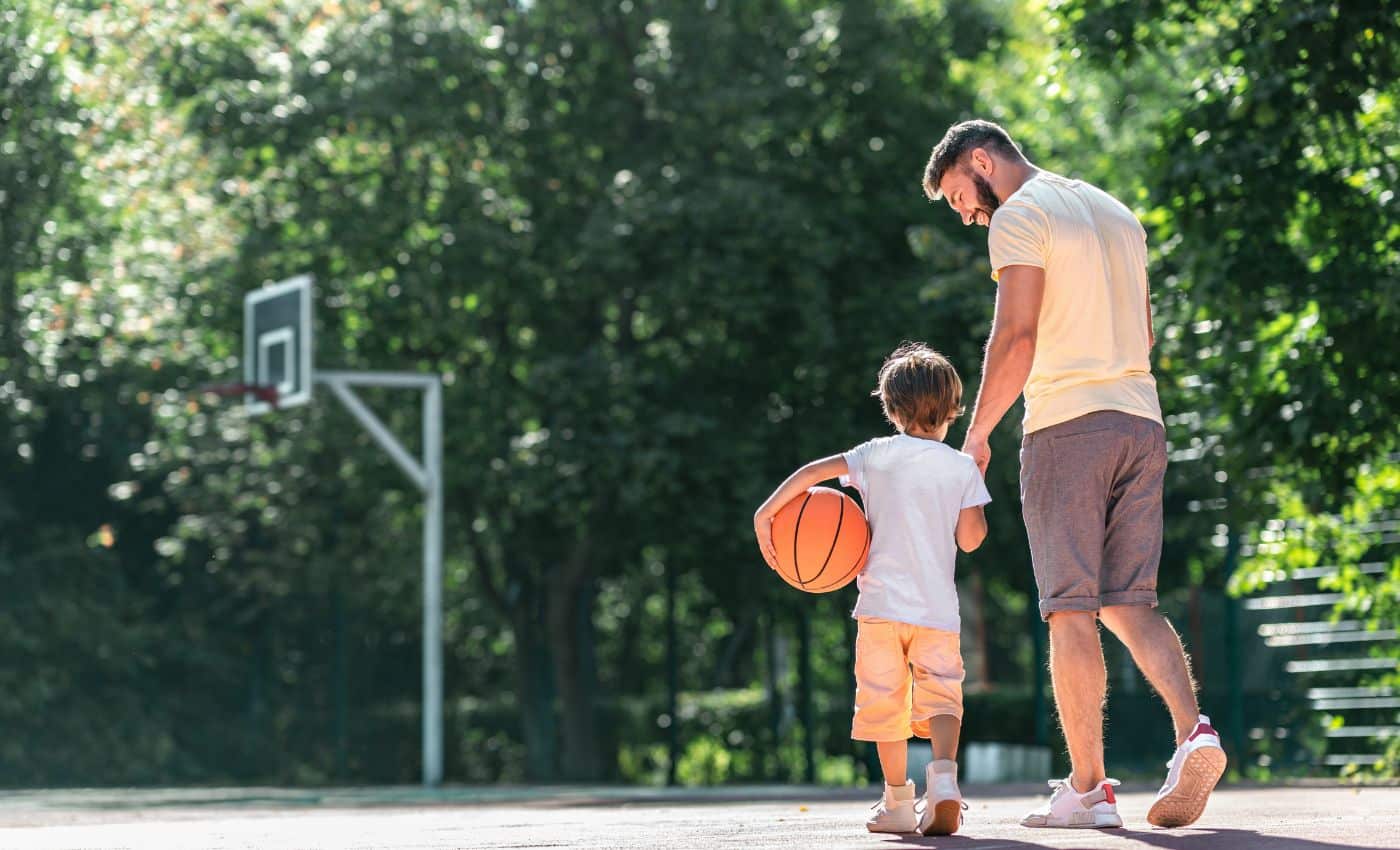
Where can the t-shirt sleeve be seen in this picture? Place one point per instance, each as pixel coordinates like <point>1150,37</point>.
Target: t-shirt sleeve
<point>975,491</point>
<point>1020,236</point>
<point>855,466</point>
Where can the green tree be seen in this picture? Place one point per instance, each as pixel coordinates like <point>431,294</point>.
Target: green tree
<point>650,246</point>
<point>79,225</point>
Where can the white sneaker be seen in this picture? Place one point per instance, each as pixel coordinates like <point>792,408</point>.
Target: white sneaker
<point>895,811</point>
<point>1191,775</point>
<point>1069,809</point>
<point>943,803</point>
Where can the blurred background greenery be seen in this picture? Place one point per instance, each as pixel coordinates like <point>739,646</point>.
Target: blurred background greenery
<point>657,250</point>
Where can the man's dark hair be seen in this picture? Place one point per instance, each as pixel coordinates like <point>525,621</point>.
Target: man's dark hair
<point>960,139</point>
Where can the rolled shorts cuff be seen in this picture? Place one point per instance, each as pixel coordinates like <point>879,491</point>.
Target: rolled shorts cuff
<point>878,733</point>
<point>1068,603</point>
<point>1129,597</point>
<point>921,726</point>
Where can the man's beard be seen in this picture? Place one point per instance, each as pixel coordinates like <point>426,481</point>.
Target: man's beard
<point>986,199</point>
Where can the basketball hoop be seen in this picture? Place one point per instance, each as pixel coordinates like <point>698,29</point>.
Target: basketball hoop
<point>265,394</point>
<point>279,373</point>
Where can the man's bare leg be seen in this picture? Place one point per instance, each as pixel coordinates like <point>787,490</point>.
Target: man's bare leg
<point>1198,762</point>
<point>1080,681</point>
<point>1157,651</point>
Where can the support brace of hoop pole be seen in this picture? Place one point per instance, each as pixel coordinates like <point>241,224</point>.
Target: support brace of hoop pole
<point>426,474</point>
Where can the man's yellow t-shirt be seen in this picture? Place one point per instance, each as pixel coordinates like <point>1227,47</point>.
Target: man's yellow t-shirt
<point>1092,348</point>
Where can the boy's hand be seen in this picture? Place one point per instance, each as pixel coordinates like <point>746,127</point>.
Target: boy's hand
<point>763,530</point>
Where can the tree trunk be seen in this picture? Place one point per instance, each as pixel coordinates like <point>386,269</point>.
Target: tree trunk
<point>724,670</point>
<point>9,315</point>
<point>536,689</point>
<point>1197,634</point>
<point>804,688</point>
<point>979,601</point>
<point>570,627</point>
<point>774,665</point>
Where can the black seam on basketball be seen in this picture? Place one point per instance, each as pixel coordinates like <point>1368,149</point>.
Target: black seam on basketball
<point>835,584</point>
<point>823,589</point>
<point>835,538</point>
<point>868,537</point>
<point>796,533</point>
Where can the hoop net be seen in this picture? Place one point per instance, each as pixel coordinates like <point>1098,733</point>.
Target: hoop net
<point>265,394</point>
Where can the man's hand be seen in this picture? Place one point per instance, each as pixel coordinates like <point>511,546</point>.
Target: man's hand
<point>976,445</point>
<point>763,530</point>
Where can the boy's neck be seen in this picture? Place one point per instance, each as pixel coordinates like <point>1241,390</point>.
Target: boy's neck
<point>926,434</point>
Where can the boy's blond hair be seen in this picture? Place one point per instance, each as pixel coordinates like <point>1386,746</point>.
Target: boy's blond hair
<point>919,387</point>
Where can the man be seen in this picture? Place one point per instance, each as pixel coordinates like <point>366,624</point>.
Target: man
<point>1073,330</point>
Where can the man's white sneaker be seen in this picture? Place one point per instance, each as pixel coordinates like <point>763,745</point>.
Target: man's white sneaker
<point>943,804</point>
<point>895,811</point>
<point>1191,775</point>
<point>1069,809</point>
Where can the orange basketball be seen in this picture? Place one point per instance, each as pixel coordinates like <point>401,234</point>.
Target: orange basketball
<point>822,539</point>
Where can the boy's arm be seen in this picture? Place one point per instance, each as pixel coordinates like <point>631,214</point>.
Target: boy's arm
<point>797,483</point>
<point>972,528</point>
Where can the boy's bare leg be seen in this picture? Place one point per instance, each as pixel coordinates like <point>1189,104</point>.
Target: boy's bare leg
<point>1080,681</point>
<point>943,734</point>
<point>894,761</point>
<point>1157,651</point>
<point>942,813</point>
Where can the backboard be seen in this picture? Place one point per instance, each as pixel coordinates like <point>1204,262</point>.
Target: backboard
<point>277,343</point>
<point>277,372</point>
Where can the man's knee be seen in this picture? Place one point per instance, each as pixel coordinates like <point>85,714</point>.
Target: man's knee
<point>1073,623</point>
<point>1127,620</point>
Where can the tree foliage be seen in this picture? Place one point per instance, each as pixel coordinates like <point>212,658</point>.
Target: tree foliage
<point>657,250</point>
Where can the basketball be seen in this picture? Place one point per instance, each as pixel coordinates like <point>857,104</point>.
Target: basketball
<point>822,539</point>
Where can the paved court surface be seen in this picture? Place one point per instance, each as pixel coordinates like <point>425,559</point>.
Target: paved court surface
<point>1292,818</point>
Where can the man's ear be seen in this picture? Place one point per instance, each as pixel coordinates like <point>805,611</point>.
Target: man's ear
<point>982,162</point>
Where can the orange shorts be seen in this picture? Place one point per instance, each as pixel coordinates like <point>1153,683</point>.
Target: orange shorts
<point>887,708</point>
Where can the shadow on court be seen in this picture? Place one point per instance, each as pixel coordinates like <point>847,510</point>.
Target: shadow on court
<point>1182,839</point>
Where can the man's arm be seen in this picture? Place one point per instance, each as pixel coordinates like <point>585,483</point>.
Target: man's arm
<point>1151,335</point>
<point>1010,352</point>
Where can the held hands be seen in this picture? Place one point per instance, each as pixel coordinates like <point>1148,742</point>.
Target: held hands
<point>763,530</point>
<point>976,445</point>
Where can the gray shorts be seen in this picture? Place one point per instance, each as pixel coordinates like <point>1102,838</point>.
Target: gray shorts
<point>1091,496</point>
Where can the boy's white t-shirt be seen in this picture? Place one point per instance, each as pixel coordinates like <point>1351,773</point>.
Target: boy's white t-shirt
<point>913,490</point>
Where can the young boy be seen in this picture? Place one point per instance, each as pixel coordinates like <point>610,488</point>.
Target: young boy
<point>923,499</point>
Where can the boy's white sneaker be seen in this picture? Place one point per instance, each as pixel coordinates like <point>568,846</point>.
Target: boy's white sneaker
<point>895,811</point>
<point>1191,775</point>
<point>1097,808</point>
<point>943,803</point>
